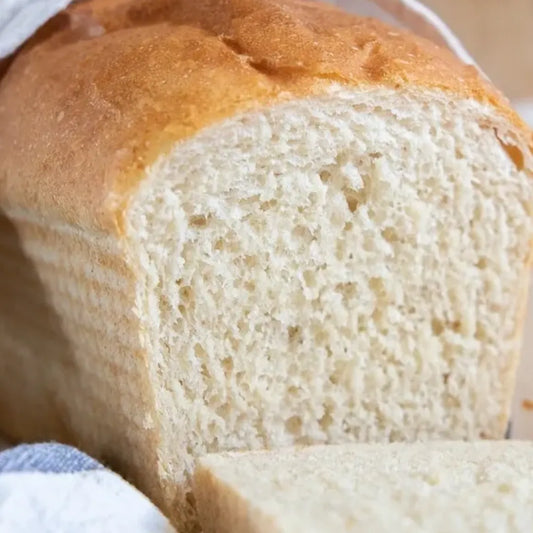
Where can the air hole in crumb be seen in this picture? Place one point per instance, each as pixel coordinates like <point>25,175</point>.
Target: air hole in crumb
<point>250,200</point>
<point>348,289</point>
<point>204,371</point>
<point>353,198</point>
<point>219,245</point>
<point>294,333</point>
<point>182,309</point>
<point>199,351</point>
<point>340,249</point>
<point>445,378</point>
<point>250,260</point>
<point>199,221</point>
<point>313,198</point>
<point>321,336</point>
<point>505,488</point>
<point>396,436</point>
<point>303,233</point>
<point>233,342</point>
<point>309,278</point>
<point>376,285</point>
<point>432,479</point>
<point>265,206</point>
<point>456,326</point>
<point>481,332</point>
<point>513,152</point>
<point>293,390</point>
<point>325,175</point>
<point>326,421</point>
<point>223,411</point>
<point>304,441</point>
<point>249,286</point>
<point>348,226</point>
<point>482,263</point>
<point>186,294</point>
<point>227,365</point>
<point>293,425</point>
<point>375,155</point>
<point>390,235</point>
<point>340,368</point>
<point>165,306</point>
<point>377,317</point>
<point>437,326</point>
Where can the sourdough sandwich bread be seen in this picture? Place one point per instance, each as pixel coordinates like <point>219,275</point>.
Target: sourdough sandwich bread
<point>438,487</point>
<point>238,224</point>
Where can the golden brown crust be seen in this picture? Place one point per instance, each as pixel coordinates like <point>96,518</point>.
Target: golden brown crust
<point>109,85</point>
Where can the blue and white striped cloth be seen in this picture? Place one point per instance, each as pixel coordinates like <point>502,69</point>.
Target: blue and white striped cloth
<point>55,488</point>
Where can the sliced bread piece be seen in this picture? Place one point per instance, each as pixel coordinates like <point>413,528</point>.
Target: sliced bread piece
<point>235,224</point>
<point>439,487</point>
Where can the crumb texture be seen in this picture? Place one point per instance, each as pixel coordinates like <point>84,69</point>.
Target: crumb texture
<point>345,268</point>
<point>440,487</point>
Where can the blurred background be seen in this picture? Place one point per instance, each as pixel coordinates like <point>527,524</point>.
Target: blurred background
<point>499,35</point>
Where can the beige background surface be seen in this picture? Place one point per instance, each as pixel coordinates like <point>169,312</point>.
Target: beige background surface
<point>499,34</point>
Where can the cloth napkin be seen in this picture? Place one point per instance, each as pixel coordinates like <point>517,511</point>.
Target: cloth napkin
<point>55,488</point>
<point>20,18</point>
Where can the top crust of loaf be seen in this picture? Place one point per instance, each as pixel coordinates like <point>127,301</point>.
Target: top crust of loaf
<point>109,85</point>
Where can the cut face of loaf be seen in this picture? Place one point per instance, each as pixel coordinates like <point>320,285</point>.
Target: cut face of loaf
<point>439,487</point>
<point>343,268</point>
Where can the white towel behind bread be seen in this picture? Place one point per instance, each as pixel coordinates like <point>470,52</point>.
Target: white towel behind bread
<point>19,19</point>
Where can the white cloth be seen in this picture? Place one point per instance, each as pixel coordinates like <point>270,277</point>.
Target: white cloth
<point>19,19</point>
<point>53,487</point>
<point>525,108</point>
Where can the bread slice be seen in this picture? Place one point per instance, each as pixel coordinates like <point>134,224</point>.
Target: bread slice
<point>246,223</point>
<point>438,487</point>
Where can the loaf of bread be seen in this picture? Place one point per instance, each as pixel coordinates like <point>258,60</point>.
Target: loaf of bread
<point>238,224</point>
<point>438,487</point>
